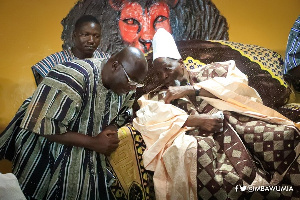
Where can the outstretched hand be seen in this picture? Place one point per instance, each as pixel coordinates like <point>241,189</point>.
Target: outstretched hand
<point>205,122</point>
<point>177,92</point>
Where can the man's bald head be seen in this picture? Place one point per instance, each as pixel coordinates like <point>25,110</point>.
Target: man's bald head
<point>134,62</point>
<point>125,70</point>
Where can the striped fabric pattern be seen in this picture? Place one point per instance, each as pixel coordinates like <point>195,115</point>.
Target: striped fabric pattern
<point>45,65</point>
<point>70,98</point>
<point>292,55</point>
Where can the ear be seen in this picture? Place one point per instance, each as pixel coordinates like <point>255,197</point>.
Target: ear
<point>117,4</point>
<point>115,65</point>
<point>180,61</point>
<point>73,36</point>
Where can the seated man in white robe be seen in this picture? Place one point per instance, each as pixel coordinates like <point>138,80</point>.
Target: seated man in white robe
<point>256,146</point>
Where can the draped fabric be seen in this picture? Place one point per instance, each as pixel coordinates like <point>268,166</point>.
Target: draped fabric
<point>257,147</point>
<point>170,154</point>
<point>70,98</point>
<point>233,92</point>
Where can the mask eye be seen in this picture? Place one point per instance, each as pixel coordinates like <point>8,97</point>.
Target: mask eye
<point>160,18</point>
<point>131,21</point>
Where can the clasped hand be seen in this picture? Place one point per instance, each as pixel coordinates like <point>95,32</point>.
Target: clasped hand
<point>177,92</point>
<point>107,141</point>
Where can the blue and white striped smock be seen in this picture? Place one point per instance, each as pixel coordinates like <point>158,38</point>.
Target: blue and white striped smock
<point>70,98</point>
<point>42,68</point>
<point>292,54</point>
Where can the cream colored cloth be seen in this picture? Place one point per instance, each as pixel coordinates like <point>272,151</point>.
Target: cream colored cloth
<point>9,188</point>
<point>170,153</point>
<point>235,95</point>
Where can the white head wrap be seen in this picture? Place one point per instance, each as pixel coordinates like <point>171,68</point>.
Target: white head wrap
<point>164,45</point>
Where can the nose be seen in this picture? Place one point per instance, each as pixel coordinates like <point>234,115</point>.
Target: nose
<point>91,39</point>
<point>132,87</point>
<point>166,75</point>
<point>146,34</point>
<point>163,75</point>
<point>128,88</point>
<point>146,44</point>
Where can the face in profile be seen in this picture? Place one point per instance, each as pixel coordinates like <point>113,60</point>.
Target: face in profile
<point>163,74</point>
<point>138,25</point>
<point>129,69</point>
<point>120,84</point>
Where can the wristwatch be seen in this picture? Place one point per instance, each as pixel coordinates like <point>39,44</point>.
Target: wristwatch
<point>197,90</point>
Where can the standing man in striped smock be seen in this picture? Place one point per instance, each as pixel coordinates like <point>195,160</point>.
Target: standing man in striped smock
<point>86,39</point>
<point>71,124</point>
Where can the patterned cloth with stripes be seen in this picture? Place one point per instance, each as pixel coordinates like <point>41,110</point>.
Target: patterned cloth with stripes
<point>292,54</point>
<point>42,68</point>
<point>66,100</point>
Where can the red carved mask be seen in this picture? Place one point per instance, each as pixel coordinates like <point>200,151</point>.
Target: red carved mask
<point>137,25</point>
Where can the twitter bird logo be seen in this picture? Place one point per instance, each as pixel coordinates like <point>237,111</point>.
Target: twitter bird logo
<point>242,188</point>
